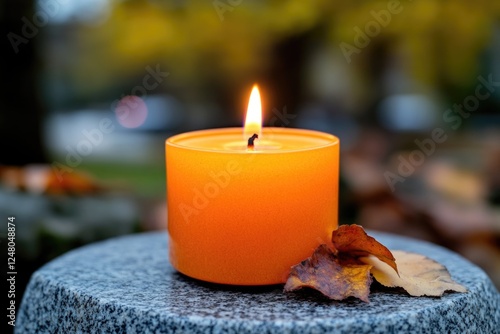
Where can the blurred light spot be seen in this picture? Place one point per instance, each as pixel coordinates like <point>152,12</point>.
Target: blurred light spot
<point>64,11</point>
<point>408,112</point>
<point>131,111</point>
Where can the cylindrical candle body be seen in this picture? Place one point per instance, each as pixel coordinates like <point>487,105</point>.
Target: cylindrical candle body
<point>245,217</point>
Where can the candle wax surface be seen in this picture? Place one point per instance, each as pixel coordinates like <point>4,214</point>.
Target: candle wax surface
<point>244,217</point>
<point>233,139</point>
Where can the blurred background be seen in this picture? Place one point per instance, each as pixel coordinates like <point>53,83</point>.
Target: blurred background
<point>91,89</point>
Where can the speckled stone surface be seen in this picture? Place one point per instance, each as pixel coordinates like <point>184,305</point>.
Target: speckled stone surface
<point>126,285</point>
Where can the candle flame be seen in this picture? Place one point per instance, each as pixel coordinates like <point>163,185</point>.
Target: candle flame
<point>253,120</point>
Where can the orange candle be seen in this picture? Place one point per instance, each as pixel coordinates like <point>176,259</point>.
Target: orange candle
<point>244,214</point>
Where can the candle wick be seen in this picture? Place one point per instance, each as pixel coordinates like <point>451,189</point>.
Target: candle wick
<point>251,140</point>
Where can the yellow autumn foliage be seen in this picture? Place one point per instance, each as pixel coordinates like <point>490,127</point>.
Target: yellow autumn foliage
<point>439,39</point>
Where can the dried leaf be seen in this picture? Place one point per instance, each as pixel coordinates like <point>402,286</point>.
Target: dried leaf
<point>352,240</point>
<point>323,272</point>
<point>418,275</point>
<point>50,179</point>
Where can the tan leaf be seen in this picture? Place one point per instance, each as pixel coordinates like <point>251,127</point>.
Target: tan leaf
<point>418,275</point>
<point>324,273</point>
<point>352,240</point>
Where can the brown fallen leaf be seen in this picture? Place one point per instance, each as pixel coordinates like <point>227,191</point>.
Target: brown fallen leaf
<point>418,275</point>
<point>352,240</point>
<point>323,272</point>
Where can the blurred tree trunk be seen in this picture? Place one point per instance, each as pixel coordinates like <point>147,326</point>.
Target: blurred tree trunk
<point>20,108</point>
<point>284,81</point>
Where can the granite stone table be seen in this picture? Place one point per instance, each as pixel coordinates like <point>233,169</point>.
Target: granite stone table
<point>126,285</point>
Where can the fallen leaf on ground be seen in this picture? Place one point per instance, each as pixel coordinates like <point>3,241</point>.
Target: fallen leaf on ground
<point>352,240</point>
<point>418,275</point>
<point>324,273</point>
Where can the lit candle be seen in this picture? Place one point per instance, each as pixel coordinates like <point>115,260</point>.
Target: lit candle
<point>242,211</point>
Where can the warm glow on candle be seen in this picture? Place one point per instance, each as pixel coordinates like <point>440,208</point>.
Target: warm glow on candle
<point>244,213</point>
<point>253,120</point>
